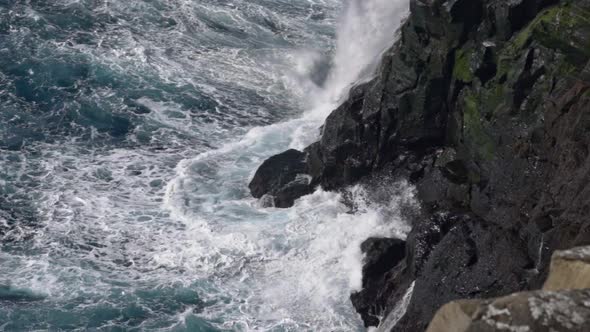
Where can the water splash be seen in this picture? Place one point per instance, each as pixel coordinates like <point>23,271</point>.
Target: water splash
<point>299,265</point>
<point>157,228</point>
<point>366,30</point>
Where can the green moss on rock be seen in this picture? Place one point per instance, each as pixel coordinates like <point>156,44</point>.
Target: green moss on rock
<point>565,28</point>
<point>462,68</point>
<point>473,129</point>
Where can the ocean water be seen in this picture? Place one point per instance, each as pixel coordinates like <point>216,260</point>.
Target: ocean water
<point>129,130</point>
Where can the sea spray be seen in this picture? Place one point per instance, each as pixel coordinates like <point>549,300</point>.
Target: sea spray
<point>122,172</point>
<point>298,265</point>
<point>100,101</point>
<point>365,30</point>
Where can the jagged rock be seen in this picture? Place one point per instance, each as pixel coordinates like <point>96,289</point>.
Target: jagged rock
<point>285,196</point>
<point>570,269</point>
<point>471,258</point>
<point>381,255</point>
<point>449,257</point>
<point>284,177</point>
<point>483,105</point>
<point>539,311</point>
<point>342,155</point>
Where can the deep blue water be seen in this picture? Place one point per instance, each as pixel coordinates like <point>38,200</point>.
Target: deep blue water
<point>128,132</point>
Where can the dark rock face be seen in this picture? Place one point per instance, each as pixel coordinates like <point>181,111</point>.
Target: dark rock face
<point>381,255</point>
<point>451,256</point>
<point>283,177</point>
<point>473,259</point>
<point>483,105</point>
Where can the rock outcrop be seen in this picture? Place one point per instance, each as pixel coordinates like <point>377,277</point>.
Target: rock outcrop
<point>282,179</point>
<point>562,305</point>
<point>483,106</point>
<point>382,255</point>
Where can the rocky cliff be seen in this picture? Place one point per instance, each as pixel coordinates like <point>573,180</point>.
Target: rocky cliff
<point>484,106</point>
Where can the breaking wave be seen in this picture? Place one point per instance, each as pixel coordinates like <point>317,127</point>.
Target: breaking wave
<point>129,132</point>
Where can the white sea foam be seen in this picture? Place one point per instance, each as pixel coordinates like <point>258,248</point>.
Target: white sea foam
<point>297,265</point>
<point>115,223</point>
<point>300,265</point>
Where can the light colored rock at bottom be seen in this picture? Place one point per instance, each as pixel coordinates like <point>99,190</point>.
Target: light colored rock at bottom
<point>539,311</point>
<point>562,306</point>
<point>570,269</point>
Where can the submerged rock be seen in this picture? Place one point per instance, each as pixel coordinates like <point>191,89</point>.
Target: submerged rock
<point>10,293</point>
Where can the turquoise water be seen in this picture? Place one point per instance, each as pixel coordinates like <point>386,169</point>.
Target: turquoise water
<point>128,133</point>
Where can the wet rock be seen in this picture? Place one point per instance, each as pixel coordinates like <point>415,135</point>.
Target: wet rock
<point>483,106</point>
<point>381,256</point>
<point>460,256</point>
<point>343,153</point>
<point>286,195</point>
<point>449,257</point>
<point>283,177</point>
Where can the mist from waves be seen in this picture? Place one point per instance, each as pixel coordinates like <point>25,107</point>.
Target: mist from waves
<point>305,261</point>
<point>124,191</point>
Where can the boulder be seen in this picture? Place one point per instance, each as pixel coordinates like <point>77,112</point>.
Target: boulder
<point>282,177</point>
<point>570,269</point>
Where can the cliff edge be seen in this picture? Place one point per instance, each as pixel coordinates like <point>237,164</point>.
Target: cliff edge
<point>483,106</point>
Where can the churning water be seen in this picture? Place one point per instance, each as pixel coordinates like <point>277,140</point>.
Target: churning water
<point>129,130</point>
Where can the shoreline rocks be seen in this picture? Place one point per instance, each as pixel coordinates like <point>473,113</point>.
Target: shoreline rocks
<point>483,106</point>
<point>282,179</point>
